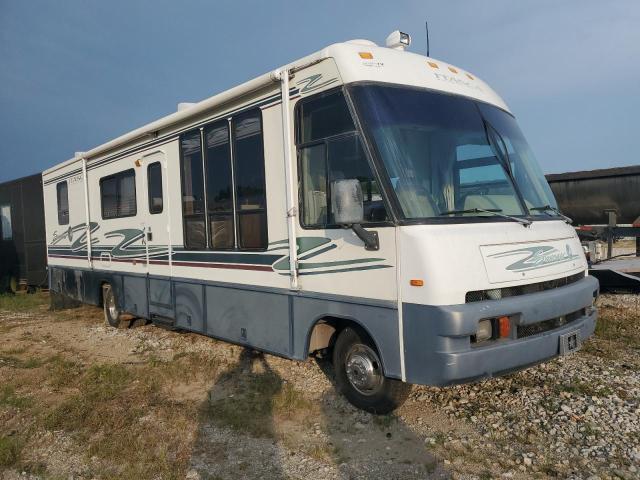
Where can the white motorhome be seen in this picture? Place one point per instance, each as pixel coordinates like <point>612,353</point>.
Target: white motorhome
<point>363,200</point>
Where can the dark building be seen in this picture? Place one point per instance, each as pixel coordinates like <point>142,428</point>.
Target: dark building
<point>588,196</point>
<point>23,251</point>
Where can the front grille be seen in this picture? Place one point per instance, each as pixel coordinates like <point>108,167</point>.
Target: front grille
<point>546,325</point>
<point>498,293</point>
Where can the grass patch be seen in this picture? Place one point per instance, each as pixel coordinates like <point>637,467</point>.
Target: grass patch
<point>9,398</point>
<point>10,448</point>
<point>384,421</point>
<point>116,417</point>
<point>15,362</point>
<point>254,404</point>
<point>22,302</point>
<point>100,384</point>
<point>618,325</point>
<point>579,387</point>
<point>63,373</point>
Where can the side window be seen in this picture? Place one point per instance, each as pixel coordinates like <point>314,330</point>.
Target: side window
<point>251,199</point>
<point>62,193</point>
<point>118,195</point>
<point>5,222</point>
<point>229,182</point>
<point>154,185</point>
<point>193,191</point>
<point>330,149</point>
<point>219,186</point>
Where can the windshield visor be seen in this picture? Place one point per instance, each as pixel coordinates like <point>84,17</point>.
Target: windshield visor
<point>449,156</point>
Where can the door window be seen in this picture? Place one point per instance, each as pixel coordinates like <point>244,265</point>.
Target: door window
<point>154,185</point>
<point>62,195</point>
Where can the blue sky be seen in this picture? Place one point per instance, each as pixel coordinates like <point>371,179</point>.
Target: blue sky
<point>77,73</point>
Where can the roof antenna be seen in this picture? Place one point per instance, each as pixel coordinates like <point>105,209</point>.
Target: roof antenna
<point>426,26</point>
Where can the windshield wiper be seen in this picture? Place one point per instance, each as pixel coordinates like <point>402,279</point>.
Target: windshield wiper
<point>548,208</point>
<point>493,211</point>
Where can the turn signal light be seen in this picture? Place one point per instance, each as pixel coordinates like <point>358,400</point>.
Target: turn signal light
<point>504,327</point>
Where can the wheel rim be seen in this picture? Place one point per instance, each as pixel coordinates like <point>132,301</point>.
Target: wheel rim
<point>111,305</point>
<point>363,369</point>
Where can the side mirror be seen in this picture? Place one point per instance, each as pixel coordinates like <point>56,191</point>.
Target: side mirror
<point>346,202</point>
<point>348,210</point>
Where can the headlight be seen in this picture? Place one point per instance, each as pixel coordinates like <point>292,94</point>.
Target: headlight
<point>485,330</point>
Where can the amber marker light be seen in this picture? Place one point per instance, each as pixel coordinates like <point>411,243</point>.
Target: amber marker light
<point>453,70</point>
<point>416,282</point>
<point>366,55</point>
<point>505,326</point>
<point>469,76</point>
<point>433,64</point>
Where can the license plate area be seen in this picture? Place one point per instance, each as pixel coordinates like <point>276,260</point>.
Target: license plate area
<point>570,342</point>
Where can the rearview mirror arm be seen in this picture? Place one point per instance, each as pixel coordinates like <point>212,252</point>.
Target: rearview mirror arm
<point>370,239</point>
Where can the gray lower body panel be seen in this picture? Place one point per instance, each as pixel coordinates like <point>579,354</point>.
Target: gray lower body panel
<point>437,339</point>
<point>278,321</point>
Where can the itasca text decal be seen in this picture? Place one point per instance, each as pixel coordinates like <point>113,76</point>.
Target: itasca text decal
<point>537,257</point>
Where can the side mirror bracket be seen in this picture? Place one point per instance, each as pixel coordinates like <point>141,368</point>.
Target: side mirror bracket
<point>370,239</point>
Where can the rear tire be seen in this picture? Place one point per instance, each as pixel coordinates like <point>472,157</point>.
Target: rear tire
<point>112,313</point>
<point>359,375</point>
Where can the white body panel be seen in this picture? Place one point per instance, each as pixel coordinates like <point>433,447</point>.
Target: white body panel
<point>455,259</point>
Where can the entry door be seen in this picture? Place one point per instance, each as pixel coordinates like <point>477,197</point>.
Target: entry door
<point>156,228</point>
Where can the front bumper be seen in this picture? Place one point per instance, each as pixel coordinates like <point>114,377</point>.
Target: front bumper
<point>437,339</point>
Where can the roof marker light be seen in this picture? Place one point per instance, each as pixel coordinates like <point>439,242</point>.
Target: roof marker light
<point>366,55</point>
<point>453,70</point>
<point>470,76</point>
<point>433,64</point>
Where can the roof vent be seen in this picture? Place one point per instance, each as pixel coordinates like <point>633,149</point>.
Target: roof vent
<point>363,42</point>
<point>185,106</point>
<point>398,40</point>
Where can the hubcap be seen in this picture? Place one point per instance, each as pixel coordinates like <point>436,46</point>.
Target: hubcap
<point>111,305</point>
<point>363,369</point>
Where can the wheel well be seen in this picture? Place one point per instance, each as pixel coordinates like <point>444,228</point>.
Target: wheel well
<point>326,329</point>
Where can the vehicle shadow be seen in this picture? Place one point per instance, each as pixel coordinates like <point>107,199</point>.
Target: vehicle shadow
<point>237,435</point>
<point>363,445</point>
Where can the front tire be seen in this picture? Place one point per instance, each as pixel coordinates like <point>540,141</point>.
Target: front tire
<point>111,311</point>
<point>359,375</point>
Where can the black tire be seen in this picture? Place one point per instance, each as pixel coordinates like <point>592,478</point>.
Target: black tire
<point>110,305</point>
<point>359,375</point>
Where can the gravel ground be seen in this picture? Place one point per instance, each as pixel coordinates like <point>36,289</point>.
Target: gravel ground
<point>574,417</point>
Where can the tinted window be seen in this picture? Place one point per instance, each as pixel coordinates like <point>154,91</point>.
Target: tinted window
<point>328,160</point>
<point>154,179</point>
<point>118,195</point>
<point>324,116</point>
<point>193,191</point>
<point>235,185</point>
<point>251,202</point>
<point>62,191</point>
<point>5,222</point>
<point>219,185</point>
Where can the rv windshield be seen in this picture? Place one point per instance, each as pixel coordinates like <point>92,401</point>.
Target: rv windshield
<point>450,156</point>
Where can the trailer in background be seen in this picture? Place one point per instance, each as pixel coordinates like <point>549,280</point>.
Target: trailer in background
<point>605,205</point>
<point>23,253</point>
